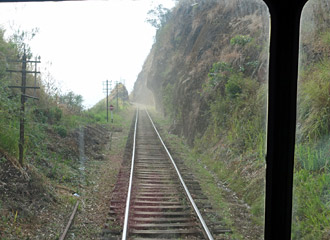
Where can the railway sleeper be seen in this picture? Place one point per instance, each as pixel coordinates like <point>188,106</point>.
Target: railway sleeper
<point>164,225</point>
<point>168,233</point>
<point>175,208</point>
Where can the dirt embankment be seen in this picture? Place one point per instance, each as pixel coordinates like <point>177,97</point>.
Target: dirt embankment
<point>36,201</point>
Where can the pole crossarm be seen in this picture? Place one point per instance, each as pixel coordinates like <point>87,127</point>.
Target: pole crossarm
<point>24,87</point>
<point>28,96</point>
<point>22,71</point>
<point>21,61</point>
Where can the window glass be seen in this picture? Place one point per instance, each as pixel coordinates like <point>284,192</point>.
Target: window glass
<point>311,201</point>
<point>203,65</point>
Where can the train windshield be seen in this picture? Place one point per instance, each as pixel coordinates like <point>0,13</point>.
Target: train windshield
<point>73,73</point>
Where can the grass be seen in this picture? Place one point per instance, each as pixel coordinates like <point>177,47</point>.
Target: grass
<point>312,167</point>
<point>325,37</point>
<point>311,205</point>
<point>312,191</point>
<point>199,164</point>
<point>313,157</point>
<point>9,135</point>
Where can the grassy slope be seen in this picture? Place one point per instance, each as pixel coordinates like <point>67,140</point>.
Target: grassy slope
<point>54,172</point>
<point>36,200</point>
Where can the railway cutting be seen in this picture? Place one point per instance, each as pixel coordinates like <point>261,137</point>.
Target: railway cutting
<point>156,197</point>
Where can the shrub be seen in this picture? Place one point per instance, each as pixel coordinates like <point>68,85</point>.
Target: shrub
<point>237,114</point>
<point>60,130</point>
<point>241,40</point>
<point>234,86</point>
<point>314,101</point>
<point>55,114</point>
<point>218,74</point>
<point>168,100</point>
<point>50,115</point>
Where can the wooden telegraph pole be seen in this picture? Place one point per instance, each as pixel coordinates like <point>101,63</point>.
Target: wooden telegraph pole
<point>107,89</point>
<point>117,94</point>
<point>23,88</point>
<point>107,101</point>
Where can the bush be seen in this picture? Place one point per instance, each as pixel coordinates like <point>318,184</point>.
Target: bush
<point>234,86</point>
<point>60,130</point>
<point>50,115</point>
<point>168,100</point>
<point>237,114</point>
<point>219,73</point>
<point>314,101</point>
<point>55,114</point>
<point>241,40</point>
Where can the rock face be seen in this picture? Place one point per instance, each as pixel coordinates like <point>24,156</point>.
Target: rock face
<point>194,38</point>
<point>141,93</point>
<point>119,90</point>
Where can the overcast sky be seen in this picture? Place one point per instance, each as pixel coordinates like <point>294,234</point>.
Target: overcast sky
<point>87,42</point>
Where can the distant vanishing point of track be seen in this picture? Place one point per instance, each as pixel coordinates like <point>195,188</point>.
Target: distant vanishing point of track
<point>155,197</point>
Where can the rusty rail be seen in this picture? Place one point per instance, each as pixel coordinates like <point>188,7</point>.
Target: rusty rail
<point>70,221</point>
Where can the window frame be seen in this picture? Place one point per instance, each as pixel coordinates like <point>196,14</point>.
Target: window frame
<point>282,107</point>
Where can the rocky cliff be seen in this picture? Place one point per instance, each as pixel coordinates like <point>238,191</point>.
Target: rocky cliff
<point>232,32</point>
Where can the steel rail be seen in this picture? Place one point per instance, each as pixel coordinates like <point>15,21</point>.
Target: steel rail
<point>128,200</point>
<point>66,230</point>
<point>206,229</point>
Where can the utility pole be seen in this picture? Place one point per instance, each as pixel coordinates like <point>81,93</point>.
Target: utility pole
<point>23,88</point>
<point>107,102</point>
<point>117,94</point>
<point>107,89</point>
<point>35,76</point>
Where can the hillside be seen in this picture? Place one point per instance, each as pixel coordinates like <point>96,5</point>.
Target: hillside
<point>207,73</point>
<point>187,46</point>
<point>68,154</point>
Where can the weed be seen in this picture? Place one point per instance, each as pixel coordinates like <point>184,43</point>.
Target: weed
<point>314,102</point>
<point>60,130</point>
<point>325,37</point>
<point>168,101</point>
<point>240,40</point>
<point>311,204</point>
<point>15,217</point>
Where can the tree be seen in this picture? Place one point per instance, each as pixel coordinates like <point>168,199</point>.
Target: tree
<point>73,101</point>
<point>158,17</point>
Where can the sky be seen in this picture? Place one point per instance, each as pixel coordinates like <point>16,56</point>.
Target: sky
<point>84,43</point>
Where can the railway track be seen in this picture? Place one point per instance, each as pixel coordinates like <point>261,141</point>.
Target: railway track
<point>151,199</point>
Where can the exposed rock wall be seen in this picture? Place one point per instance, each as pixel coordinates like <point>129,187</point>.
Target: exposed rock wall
<point>195,37</point>
<point>141,93</point>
